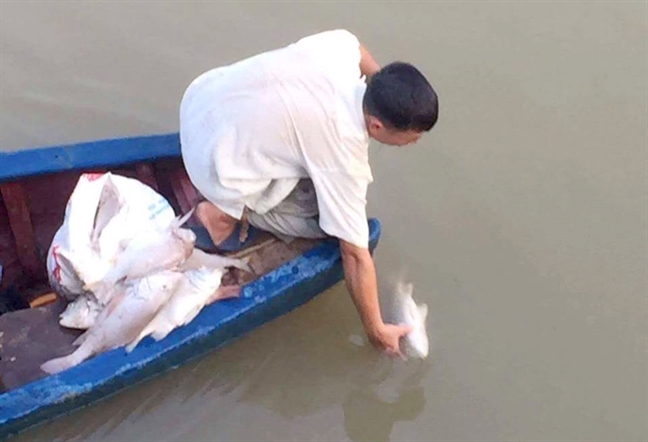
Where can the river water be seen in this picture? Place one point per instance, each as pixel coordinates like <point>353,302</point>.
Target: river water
<point>521,219</point>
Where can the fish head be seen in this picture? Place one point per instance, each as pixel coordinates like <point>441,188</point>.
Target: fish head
<point>80,314</point>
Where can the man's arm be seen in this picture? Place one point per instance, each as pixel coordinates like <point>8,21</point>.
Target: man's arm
<point>360,277</point>
<point>368,65</point>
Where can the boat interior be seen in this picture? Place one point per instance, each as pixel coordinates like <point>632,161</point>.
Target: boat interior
<point>31,211</point>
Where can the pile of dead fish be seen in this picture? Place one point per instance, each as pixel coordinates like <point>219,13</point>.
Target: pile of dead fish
<point>157,281</point>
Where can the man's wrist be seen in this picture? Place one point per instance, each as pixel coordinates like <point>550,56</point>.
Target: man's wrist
<point>374,329</point>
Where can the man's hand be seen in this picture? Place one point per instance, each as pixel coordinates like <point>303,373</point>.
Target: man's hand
<point>360,277</point>
<point>387,338</point>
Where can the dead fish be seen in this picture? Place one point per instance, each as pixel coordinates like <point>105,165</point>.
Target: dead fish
<point>199,259</point>
<point>80,313</point>
<point>415,344</point>
<point>197,288</point>
<point>84,310</point>
<point>147,253</point>
<point>122,320</point>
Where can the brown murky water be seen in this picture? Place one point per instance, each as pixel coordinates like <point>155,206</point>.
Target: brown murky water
<point>521,219</point>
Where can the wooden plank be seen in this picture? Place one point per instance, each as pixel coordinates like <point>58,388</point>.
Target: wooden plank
<point>185,193</point>
<point>42,300</point>
<point>146,174</point>
<point>22,229</point>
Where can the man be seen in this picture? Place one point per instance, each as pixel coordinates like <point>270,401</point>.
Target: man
<point>280,141</point>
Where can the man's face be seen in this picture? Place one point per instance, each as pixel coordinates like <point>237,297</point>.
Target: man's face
<point>391,137</point>
<point>397,138</point>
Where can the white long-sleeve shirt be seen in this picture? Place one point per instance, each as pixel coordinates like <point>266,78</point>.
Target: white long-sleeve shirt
<point>286,114</point>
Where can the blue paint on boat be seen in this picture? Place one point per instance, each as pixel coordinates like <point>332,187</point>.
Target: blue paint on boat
<point>266,298</point>
<point>102,153</point>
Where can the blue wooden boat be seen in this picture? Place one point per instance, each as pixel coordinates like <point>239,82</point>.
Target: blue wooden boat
<point>35,186</point>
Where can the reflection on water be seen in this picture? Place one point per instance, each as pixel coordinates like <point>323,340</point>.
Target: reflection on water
<point>361,403</point>
<point>392,394</point>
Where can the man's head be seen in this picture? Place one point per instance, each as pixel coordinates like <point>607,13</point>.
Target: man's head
<point>399,105</point>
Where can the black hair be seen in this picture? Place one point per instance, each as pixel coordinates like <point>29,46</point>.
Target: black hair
<point>401,98</point>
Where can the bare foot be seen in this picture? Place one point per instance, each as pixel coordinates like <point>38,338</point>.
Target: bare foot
<point>219,225</point>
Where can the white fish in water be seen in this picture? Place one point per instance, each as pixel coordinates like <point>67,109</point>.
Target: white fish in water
<point>415,344</point>
<point>147,253</point>
<point>122,320</point>
<point>198,288</point>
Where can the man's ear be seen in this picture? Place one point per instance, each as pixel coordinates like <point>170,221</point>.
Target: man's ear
<point>375,124</point>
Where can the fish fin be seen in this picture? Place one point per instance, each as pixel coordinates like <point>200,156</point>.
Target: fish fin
<point>179,221</point>
<point>423,311</point>
<point>151,329</point>
<point>192,315</point>
<point>113,303</point>
<point>108,207</point>
<point>243,264</point>
<point>81,339</point>
<point>224,292</point>
<point>130,347</point>
<point>405,288</point>
<point>162,332</point>
<point>199,258</point>
<point>58,365</point>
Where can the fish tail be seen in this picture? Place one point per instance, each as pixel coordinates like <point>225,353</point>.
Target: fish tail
<point>161,332</point>
<point>81,338</point>
<point>242,264</point>
<point>57,365</point>
<point>144,333</point>
<point>130,347</point>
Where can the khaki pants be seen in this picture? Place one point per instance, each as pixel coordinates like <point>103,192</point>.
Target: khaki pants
<point>294,217</point>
